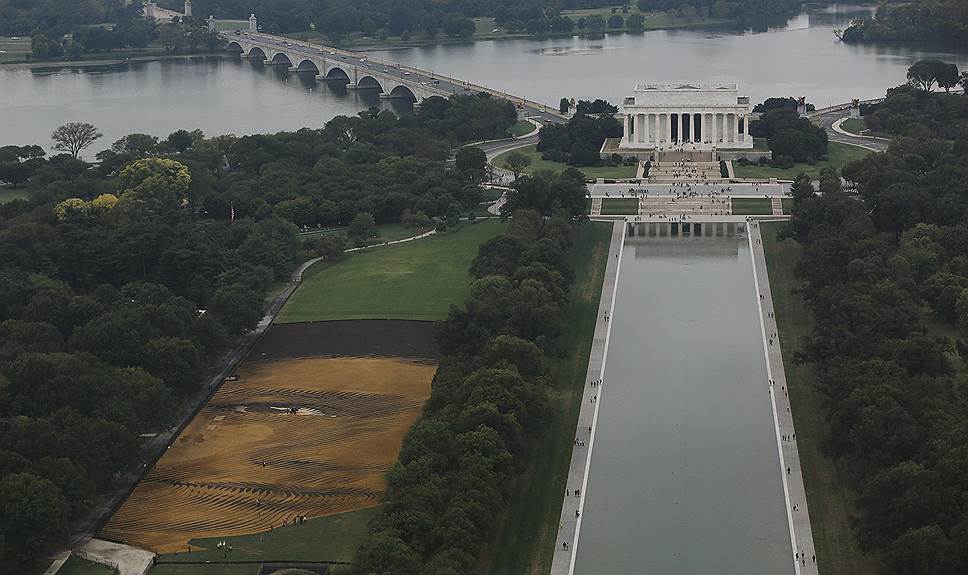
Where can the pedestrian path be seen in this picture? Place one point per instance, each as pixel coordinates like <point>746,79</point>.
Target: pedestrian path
<point>777,205</point>
<point>570,521</point>
<point>802,549</point>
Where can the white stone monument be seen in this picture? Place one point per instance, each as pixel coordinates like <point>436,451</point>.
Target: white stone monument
<point>188,8</point>
<point>686,117</point>
<point>253,24</point>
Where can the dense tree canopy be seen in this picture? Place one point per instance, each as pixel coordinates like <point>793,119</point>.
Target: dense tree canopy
<point>122,283</point>
<point>489,398</point>
<point>579,142</point>
<point>875,270</point>
<point>924,21</point>
<point>790,137</point>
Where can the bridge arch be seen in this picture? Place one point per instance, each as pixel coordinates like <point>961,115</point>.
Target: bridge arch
<point>235,48</point>
<point>369,83</point>
<point>307,65</point>
<point>337,73</point>
<point>256,53</point>
<point>403,92</point>
<point>281,57</point>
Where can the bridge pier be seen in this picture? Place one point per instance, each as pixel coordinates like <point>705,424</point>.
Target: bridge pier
<point>352,86</point>
<point>293,69</point>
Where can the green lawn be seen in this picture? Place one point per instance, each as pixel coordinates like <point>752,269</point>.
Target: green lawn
<point>418,280</point>
<point>522,127</point>
<point>8,194</point>
<point>388,233</point>
<point>325,539</point>
<point>853,125</point>
<point>491,195</point>
<point>620,206</point>
<point>837,155</point>
<point>537,163</point>
<point>526,542</point>
<point>752,207</point>
<point>78,566</point>
<point>761,145</point>
<point>787,205</point>
<point>830,499</point>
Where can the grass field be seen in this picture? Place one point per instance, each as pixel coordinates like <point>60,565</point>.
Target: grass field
<point>522,127</point>
<point>853,125</point>
<point>831,501</point>
<point>837,155</point>
<point>388,233</point>
<point>526,542</point>
<point>8,194</point>
<point>417,280</point>
<point>752,207</point>
<point>333,538</point>
<point>78,566</point>
<point>620,206</point>
<point>787,205</point>
<point>537,163</point>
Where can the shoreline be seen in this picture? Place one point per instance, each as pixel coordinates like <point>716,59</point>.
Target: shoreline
<point>56,64</point>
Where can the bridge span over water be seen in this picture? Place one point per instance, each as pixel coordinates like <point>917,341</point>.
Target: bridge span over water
<point>359,71</point>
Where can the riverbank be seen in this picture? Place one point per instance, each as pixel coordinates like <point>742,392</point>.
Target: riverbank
<point>485,31</point>
<point>119,58</point>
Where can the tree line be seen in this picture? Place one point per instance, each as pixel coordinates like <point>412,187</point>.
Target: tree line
<point>122,282</point>
<point>579,141</point>
<point>489,397</point>
<point>792,139</point>
<point>878,271</point>
<point>943,21</point>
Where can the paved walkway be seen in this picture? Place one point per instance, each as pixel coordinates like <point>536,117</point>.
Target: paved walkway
<point>569,526</point>
<point>798,517</point>
<point>126,559</point>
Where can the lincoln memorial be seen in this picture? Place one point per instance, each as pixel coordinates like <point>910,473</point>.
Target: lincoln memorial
<point>686,117</point>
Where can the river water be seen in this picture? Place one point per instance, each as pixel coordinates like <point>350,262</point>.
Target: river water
<point>685,476</point>
<point>224,95</point>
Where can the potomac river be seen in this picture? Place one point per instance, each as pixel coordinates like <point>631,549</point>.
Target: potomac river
<point>226,95</point>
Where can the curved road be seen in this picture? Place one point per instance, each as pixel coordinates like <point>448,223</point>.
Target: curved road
<point>828,119</point>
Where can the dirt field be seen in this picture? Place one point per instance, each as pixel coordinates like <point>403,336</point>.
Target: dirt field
<point>246,463</point>
<point>356,338</point>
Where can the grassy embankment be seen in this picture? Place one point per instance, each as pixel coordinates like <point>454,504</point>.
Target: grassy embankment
<point>620,206</point>
<point>538,163</point>
<point>78,566</point>
<point>830,499</point>
<point>417,280</point>
<point>8,194</point>
<point>853,125</point>
<point>521,128</point>
<point>759,206</point>
<point>526,542</point>
<point>837,156</point>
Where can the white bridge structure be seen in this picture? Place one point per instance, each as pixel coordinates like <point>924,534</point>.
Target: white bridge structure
<point>358,71</point>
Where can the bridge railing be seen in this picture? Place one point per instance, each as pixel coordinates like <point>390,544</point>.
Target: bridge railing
<point>311,49</point>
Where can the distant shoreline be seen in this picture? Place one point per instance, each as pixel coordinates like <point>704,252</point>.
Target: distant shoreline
<point>55,64</point>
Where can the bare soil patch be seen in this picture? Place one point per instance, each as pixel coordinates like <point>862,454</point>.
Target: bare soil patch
<point>292,436</point>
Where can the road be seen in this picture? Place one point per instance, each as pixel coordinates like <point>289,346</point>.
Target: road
<point>828,119</point>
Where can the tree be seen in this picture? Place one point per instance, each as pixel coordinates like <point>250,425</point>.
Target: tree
<point>74,137</point>
<point>159,184</point>
<point>635,21</point>
<point>517,163</point>
<point>471,160</point>
<point>362,228</point>
<point>564,105</point>
<point>924,73</point>
<point>34,517</point>
<point>616,22</point>
<point>947,76</point>
<point>180,140</point>
<point>595,23</point>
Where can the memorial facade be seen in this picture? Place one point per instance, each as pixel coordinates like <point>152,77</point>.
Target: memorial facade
<point>686,117</point>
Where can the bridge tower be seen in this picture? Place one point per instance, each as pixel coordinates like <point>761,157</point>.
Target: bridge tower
<point>211,23</point>
<point>253,24</point>
<point>188,8</point>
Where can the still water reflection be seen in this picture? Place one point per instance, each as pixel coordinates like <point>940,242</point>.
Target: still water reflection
<point>685,476</point>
